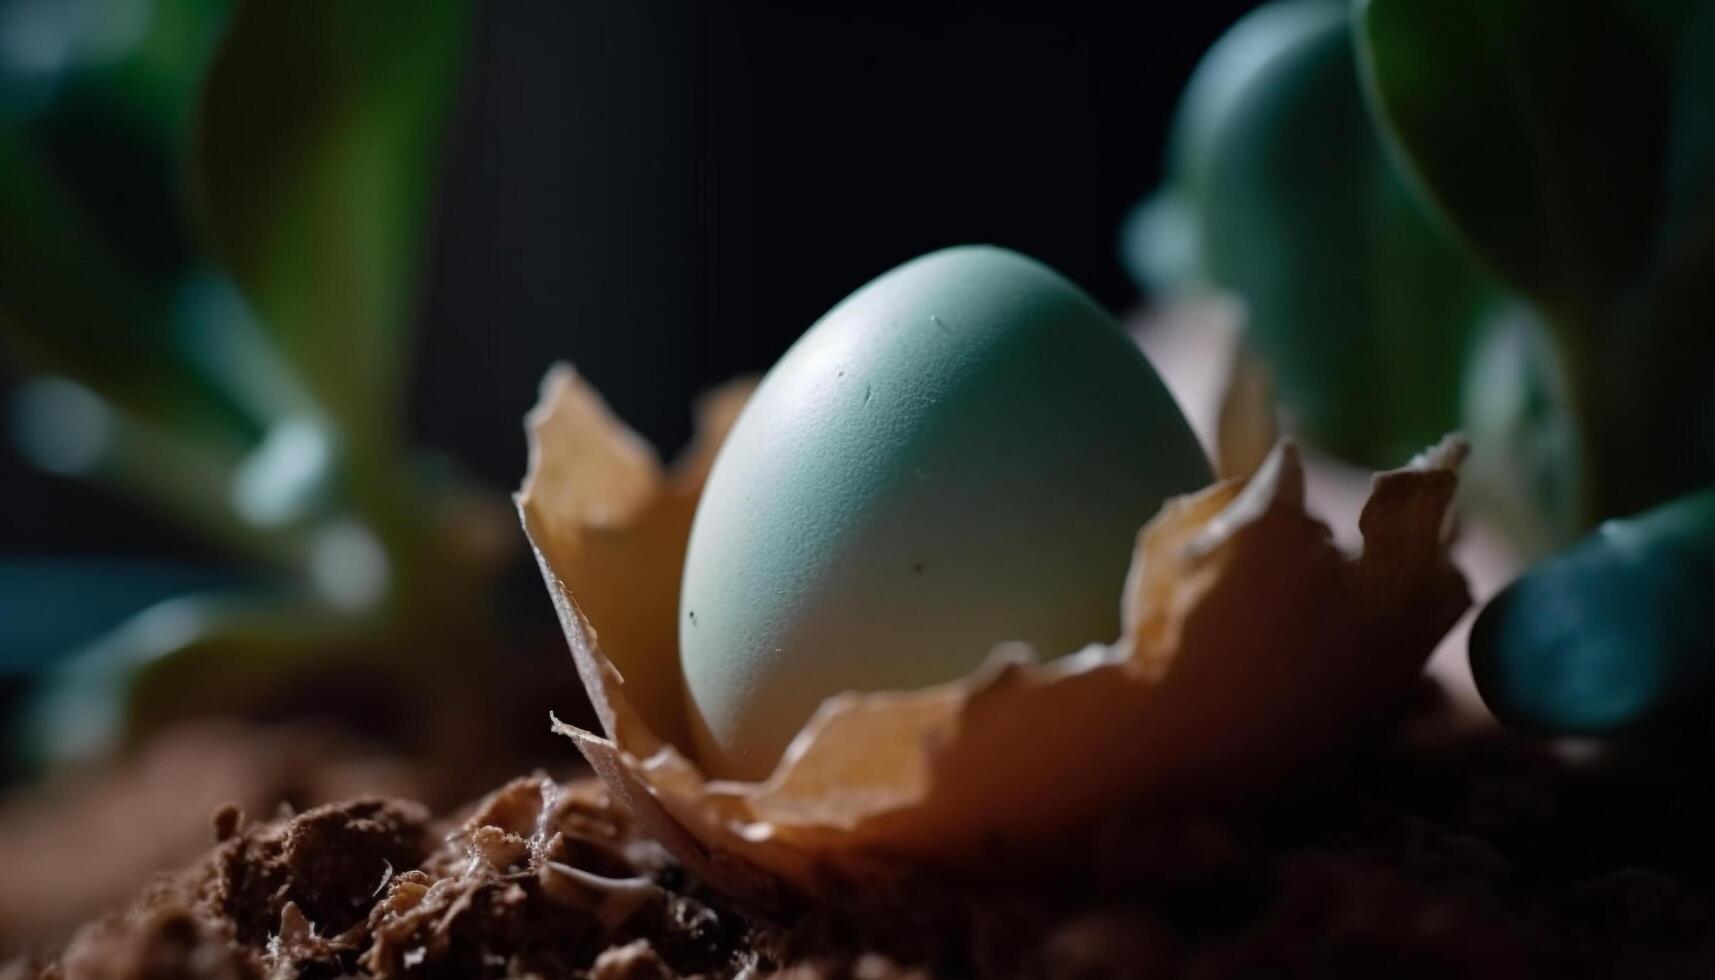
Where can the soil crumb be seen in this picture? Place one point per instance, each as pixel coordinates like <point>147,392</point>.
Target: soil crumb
<point>540,879</point>
<point>1476,855</point>
<point>87,840</point>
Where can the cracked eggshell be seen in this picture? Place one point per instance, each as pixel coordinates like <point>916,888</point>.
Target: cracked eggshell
<point>1251,642</point>
<point>616,522</point>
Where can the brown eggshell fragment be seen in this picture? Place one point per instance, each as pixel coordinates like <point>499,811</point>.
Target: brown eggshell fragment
<point>610,518</point>
<point>1251,643</point>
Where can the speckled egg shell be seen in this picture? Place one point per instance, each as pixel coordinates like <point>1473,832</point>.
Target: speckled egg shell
<point>957,455</point>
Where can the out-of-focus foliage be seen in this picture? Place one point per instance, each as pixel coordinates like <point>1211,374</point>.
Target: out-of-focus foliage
<point>1526,466</point>
<point>252,390</point>
<point>1569,142</point>
<point>1573,146</point>
<point>1163,241</point>
<point>1567,151</point>
<point>98,97</point>
<point>1497,107</point>
<point>315,196</point>
<point>1280,194</point>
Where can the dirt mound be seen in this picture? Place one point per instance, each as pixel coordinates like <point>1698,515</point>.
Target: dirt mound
<point>1475,856</point>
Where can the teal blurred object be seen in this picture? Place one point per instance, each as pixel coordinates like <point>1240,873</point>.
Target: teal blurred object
<point>1162,241</point>
<point>1280,194</point>
<point>251,394</point>
<point>51,605</point>
<point>1525,471</point>
<point>1615,634</point>
<point>93,243</point>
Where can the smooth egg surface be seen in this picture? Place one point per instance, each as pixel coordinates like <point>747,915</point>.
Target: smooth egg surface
<point>957,455</point>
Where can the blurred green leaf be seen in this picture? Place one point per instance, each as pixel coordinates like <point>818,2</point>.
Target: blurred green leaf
<point>68,306</point>
<point>1683,34</point>
<point>92,240</point>
<point>1671,312</point>
<point>156,83</point>
<point>122,177</point>
<point>316,157</point>
<point>221,339</point>
<point>1614,634</point>
<point>115,132</point>
<point>192,656</point>
<point>1359,306</point>
<point>51,605</point>
<point>67,429</point>
<point>146,53</point>
<point>1687,235</point>
<point>1536,125</point>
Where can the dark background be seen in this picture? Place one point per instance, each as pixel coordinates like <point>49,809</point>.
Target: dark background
<point>667,194</point>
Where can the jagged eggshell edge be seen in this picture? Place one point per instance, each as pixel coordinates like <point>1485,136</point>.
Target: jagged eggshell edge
<point>1250,643</point>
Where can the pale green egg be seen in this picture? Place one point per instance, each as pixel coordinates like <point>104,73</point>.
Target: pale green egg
<point>959,454</point>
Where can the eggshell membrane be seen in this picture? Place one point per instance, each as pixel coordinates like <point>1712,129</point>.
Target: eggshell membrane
<point>1251,642</point>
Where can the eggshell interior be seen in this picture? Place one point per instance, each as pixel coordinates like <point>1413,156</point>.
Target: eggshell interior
<point>1250,643</point>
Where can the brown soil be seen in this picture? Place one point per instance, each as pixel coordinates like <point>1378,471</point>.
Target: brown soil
<point>87,840</point>
<point>1434,855</point>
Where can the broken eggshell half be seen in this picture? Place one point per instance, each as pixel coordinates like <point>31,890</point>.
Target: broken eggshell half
<point>1251,643</point>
